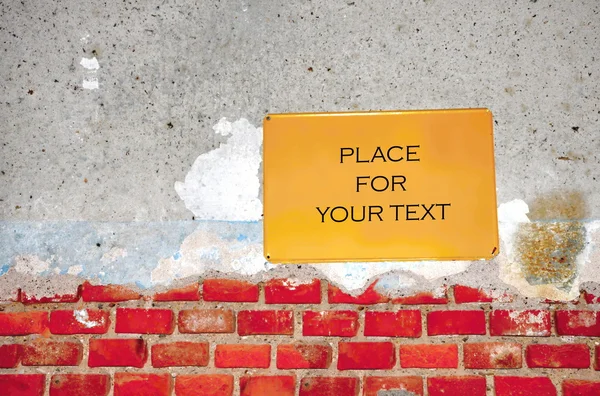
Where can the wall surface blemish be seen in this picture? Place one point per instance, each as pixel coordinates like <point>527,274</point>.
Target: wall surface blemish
<point>223,184</point>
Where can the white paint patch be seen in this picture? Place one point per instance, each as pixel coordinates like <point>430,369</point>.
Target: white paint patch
<point>90,80</point>
<point>90,83</point>
<point>90,63</point>
<point>75,270</point>
<point>31,264</point>
<point>83,317</point>
<point>354,276</point>
<point>203,251</point>
<point>113,254</point>
<point>223,184</point>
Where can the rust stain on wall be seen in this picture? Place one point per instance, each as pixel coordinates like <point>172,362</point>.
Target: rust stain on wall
<point>559,205</point>
<point>547,248</point>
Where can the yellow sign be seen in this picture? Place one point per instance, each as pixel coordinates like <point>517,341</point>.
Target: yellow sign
<point>399,185</point>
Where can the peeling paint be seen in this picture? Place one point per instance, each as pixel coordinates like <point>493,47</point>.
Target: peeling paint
<point>75,270</point>
<point>82,317</point>
<point>30,264</point>
<point>90,80</point>
<point>114,254</point>
<point>90,63</point>
<point>223,184</point>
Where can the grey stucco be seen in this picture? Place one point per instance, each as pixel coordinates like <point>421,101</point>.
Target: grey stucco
<point>187,64</point>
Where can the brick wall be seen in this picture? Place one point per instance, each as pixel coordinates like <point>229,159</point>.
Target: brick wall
<point>226,337</point>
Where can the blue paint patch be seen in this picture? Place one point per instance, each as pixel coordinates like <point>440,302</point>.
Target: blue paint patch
<point>128,251</point>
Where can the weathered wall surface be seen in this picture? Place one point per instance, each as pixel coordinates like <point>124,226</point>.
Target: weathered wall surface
<point>131,132</point>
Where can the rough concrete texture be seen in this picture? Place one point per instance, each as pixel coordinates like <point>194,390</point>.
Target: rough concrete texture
<point>107,106</point>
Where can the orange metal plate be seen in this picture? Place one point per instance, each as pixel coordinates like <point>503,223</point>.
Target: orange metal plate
<point>398,185</point>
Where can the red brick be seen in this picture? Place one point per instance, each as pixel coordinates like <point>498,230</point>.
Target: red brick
<point>330,323</point>
<point>597,364</point>
<point>43,352</point>
<point>410,384</point>
<point>335,295</point>
<point>79,384</point>
<point>393,324</point>
<point>524,386</point>
<point>558,356</point>
<point>240,355</point>
<point>204,384</point>
<point>591,298</point>
<point>366,355</point>
<point>107,293</point>
<point>265,322</point>
<point>130,384</point>
<point>455,323</point>
<point>520,323</point>
<point>425,297</point>
<point>492,355</point>
<point>84,321</point>
<point>117,353</point>
<point>429,356</point>
<point>23,323</point>
<point>229,290</point>
<point>22,384</point>
<point>329,386</point>
<point>180,354</point>
<point>57,298</point>
<point>10,355</point>
<point>206,321</point>
<point>578,323</point>
<point>303,356</point>
<point>472,385</point>
<point>580,388</point>
<point>262,385</point>
<point>144,321</point>
<point>465,294</point>
<point>185,293</point>
<point>286,291</point>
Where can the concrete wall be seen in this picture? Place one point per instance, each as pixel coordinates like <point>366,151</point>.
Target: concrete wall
<point>115,114</point>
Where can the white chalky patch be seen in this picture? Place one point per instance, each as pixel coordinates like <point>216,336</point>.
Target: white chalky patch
<point>223,184</point>
<point>83,317</point>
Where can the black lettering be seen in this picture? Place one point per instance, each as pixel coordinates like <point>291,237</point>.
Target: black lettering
<point>345,215</point>
<point>358,155</point>
<point>378,150</point>
<point>409,212</point>
<point>427,212</point>
<point>378,214</point>
<point>443,206</point>
<point>399,182</point>
<point>358,183</point>
<point>409,153</point>
<point>390,155</point>
<point>352,214</point>
<point>396,206</point>
<point>342,155</point>
<point>387,183</point>
<point>322,214</point>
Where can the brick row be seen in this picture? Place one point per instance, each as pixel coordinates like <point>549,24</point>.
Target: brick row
<point>276,291</point>
<point>336,323</point>
<point>128,384</point>
<point>298,355</point>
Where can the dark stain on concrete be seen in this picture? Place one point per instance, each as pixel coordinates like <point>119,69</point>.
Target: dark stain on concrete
<point>547,248</point>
